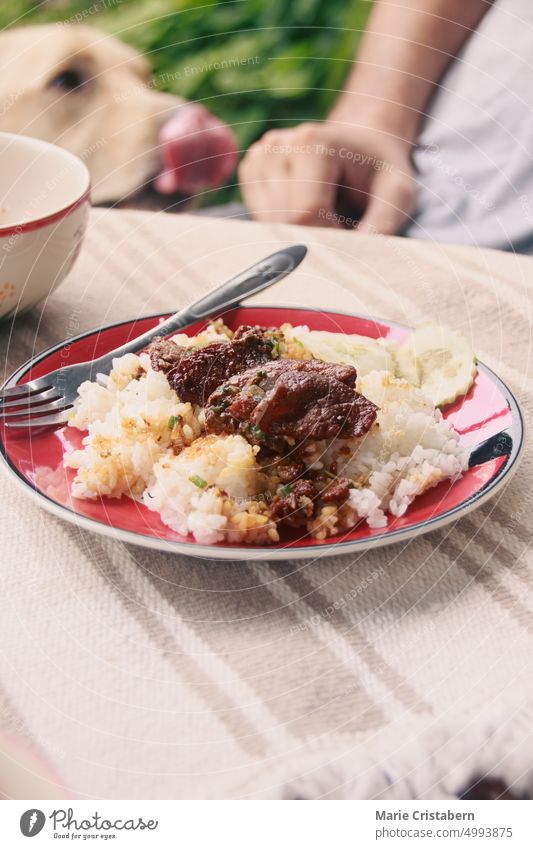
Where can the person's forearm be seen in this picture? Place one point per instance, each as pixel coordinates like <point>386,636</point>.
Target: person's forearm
<point>407,46</point>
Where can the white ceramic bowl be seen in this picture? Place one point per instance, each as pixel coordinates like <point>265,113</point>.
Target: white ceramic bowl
<point>44,207</point>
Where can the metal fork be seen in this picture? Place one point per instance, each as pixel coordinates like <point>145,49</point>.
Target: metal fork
<point>47,400</point>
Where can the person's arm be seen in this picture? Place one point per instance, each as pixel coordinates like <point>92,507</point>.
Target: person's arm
<point>362,152</point>
<point>403,54</point>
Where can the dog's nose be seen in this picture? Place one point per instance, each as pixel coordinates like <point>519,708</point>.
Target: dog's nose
<point>198,151</point>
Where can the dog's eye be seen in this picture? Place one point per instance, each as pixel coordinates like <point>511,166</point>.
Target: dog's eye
<point>70,79</point>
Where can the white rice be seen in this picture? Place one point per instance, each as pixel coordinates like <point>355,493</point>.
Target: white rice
<point>209,491</point>
<point>143,442</point>
<point>131,421</point>
<point>410,449</point>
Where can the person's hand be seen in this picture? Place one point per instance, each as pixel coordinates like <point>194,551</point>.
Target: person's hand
<point>329,174</point>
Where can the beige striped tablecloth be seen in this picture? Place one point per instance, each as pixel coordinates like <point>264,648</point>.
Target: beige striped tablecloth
<point>405,671</point>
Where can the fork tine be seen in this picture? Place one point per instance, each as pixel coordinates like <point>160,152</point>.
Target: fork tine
<point>35,411</point>
<point>25,389</point>
<point>45,421</point>
<point>33,400</point>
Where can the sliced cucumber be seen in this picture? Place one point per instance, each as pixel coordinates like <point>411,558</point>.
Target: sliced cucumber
<point>350,349</point>
<point>439,360</point>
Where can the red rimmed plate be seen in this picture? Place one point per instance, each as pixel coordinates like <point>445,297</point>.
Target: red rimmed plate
<point>488,414</point>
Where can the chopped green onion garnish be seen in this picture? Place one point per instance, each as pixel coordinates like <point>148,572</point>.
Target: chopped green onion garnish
<point>275,348</point>
<point>257,432</point>
<point>286,489</point>
<point>171,422</point>
<point>198,481</point>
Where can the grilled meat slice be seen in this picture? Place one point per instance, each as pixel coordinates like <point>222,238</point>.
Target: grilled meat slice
<point>195,374</point>
<point>337,491</point>
<point>296,507</point>
<point>302,399</point>
<point>165,354</point>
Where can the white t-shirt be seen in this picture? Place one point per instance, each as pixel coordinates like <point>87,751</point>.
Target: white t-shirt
<point>475,154</point>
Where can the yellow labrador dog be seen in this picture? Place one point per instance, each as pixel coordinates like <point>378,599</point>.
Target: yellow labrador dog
<point>90,93</point>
